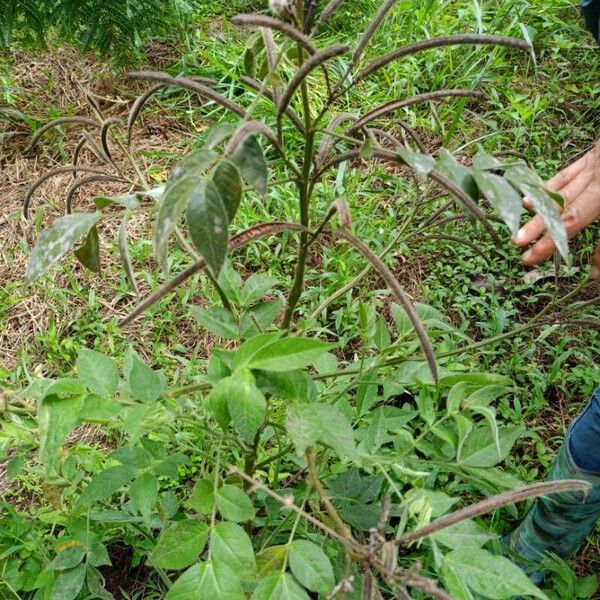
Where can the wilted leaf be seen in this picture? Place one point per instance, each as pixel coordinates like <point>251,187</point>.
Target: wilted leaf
<point>56,241</point>
<point>208,224</point>
<point>89,253</point>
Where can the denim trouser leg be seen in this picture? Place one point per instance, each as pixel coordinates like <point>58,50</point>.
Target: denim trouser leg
<point>584,437</point>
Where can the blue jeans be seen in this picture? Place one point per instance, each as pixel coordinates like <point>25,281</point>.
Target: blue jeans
<point>584,437</point>
<point>591,13</point>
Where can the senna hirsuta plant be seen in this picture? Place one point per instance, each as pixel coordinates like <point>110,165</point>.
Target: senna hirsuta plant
<point>324,483</point>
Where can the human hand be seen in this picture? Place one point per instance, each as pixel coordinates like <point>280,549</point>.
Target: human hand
<point>579,185</point>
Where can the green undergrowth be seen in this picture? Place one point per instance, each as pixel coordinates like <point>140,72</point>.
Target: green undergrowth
<point>541,108</point>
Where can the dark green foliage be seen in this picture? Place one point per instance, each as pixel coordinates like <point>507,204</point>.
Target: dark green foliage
<point>114,28</point>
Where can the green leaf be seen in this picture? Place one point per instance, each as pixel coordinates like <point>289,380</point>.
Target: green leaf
<point>258,318</point>
<point>88,254</point>
<point>68,558</point>
<point>146,384</point>
<point>144,493</point>
<point>303,426</point>
<point>311,567</point>
<point>279,586</point>
<point>460,175</point>
<point>234,504</point>
<point>208,224</point>
<point>179,545</point>
<point>217,401</point>
<point>202,499</point>
<point>256,286</point>
<point>481,450</point>
<point>228,183</point>
<point>422,164</point>
<point>531,186</point>
<point>502,196</point>
<point>57,417</point>
<point>287,354</point>
<point>250,161</point>
<point>295,386</point>
<point>271,558</point>
<point>231,545</point>
<point>494,577</point>
<point>245,353</point>
<point>97,372</point>
<point>130,201</point>
<point>465,533</point>
<point>104,484</point>
<point>210,580</point>
<point>454,584</point>
<point>96,409</point>
<point>247,405</point>
<point>218,320</point>
<point>175,199</point>
<point>56,241</point>
<point>68,584</point>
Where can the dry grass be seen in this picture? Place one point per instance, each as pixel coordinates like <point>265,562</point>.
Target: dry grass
<point>56,84</point>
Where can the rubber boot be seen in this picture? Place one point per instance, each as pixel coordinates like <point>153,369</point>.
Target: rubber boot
<point>558,523</point>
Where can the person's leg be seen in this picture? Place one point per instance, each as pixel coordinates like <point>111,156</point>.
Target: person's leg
<point>591,12</point>
<point>560,522</point>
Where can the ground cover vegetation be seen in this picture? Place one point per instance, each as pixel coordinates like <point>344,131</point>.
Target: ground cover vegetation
<point>274,341</point>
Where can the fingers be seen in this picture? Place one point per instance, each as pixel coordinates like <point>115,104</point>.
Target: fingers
<point>530,232</point>
<point>564,177</point>
<point>539,252</point>
<point>596,263</point>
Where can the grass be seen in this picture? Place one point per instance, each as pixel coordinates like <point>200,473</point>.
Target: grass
<point>542,108</point>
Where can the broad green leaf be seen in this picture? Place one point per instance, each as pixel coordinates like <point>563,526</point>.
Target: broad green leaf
<point>228,183</point>
<point>104,484</point>
<point>258,318</point>
<point>233,504</point>
<point>279,586</point>
<point>245,353</point>
<point>57,417</point>
<point>208,224</point>
<point>422,164</point>
<point>95,584</point>
<point>464,427</point>
<point>251,163</point>
<point>68,558</point>
<point>136,456</point>
<point>96,409</point>
<point>464,533</point>
<point>88,254</point>
<point>490,414</point>
<point>144,493</point>
<point>231,545</point>
<point>287,354</point>
<point>311,567</point>
<point>210,580</point>
<point>494,577</point>
<point>218,320</point>
<point>460,175</point>
<point>454,584</point>
<point>146,384</point>
<point>179,545</point>
<point>68,583</point>
<point>270,559</point>
<point>502,196</point>
<point>247,405</point>
<point>530,185</point>
<point>175,199</point>
<point>56,241</point>
<point>97,372</point>
<point>202,499</point>
<point>480,449</point>
<point>303,426</point>
<point>217,401</point>
<point>230,282</point>
<point>256,286</point>
<point>295,386</point>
